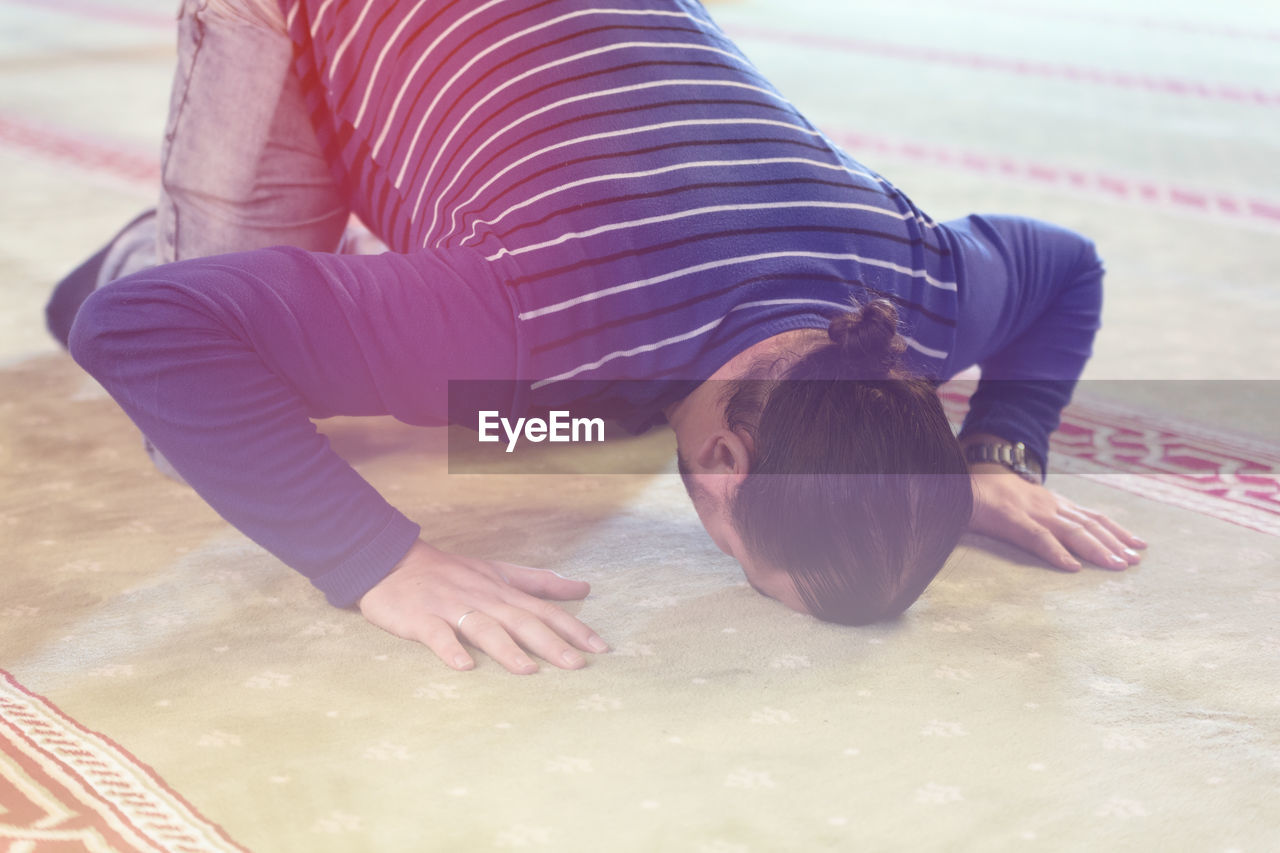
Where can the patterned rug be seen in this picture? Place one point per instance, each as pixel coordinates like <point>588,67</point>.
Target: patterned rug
<point>1215,472</point>
<point>64,787</point>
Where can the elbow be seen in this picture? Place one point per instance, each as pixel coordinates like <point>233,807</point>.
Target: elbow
<point>1090,267</point>
<point>1080,302</point>
<point>116,326</point>
<point>94,331</point>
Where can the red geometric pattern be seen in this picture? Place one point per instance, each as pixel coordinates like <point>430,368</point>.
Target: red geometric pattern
<point>1213,472</point>
<point>63,787</point>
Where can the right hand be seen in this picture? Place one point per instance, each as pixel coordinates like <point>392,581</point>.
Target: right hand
<point>429,591</point>
<point>1046,524</point>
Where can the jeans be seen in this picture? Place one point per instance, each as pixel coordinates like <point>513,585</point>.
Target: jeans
<point>241,168</point>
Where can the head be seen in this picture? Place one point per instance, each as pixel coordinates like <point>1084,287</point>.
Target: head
<point>850,490</point>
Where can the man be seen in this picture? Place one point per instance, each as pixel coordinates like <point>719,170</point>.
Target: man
<point>577,194</point>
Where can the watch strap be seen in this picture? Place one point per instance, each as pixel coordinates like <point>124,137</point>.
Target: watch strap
<point>1011,454</point>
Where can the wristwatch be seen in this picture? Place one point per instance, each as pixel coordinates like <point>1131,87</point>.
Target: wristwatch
<point>1012,455</point>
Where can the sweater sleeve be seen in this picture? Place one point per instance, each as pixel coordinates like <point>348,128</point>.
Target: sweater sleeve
<point>1030,305</point>
<point>223,361</point>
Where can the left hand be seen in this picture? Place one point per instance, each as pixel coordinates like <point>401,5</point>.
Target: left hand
<point>1046,524</point>
<point>430,592</point>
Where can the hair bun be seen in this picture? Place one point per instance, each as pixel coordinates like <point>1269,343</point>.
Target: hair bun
<point>868,339</point>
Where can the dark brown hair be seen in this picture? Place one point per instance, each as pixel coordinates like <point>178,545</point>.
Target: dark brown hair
<point>857,486</point>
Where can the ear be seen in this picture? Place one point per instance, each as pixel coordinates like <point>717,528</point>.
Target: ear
<point>724,452</point>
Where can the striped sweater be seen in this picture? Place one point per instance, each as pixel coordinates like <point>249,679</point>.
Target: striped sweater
<point>571,192</point>
<point>615,160</point>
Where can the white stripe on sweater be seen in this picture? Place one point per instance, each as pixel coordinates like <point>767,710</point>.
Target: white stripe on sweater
<point>324,7</point>
<point>725,262</point>
<point>648,173</point>
<point>675,339</point>
<point>461,170</point>
<point>843,306</point>
<point>626,353</point>
<point>408,80</point>
<point>592,137</point>
<point>701,211</point>
<point>386,48</point>
<point>346,42</point>
<point>517,79</point>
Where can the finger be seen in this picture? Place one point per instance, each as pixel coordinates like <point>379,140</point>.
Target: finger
<point>436,634</point>
<point>534,634</point>
<point>1119,532</point>
<point>544,583</point>
<point>1082,542</point>
<point>1040,541</point>
<point>1103,534</point>
<point>563,623</point>
<point>487,634</point>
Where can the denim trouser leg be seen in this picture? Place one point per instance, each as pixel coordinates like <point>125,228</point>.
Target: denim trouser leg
<point>241,168</point>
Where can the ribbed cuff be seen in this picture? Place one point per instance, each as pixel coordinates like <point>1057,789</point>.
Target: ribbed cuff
<point>344,584</point>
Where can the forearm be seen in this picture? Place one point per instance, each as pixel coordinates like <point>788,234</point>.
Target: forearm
<point>222,362</point>
<point>1032,306</point>
<point>237,431</point>
<point>1025,411</point>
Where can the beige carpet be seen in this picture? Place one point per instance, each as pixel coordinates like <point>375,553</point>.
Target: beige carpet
<point>1012,704</point>
<point>1013,708</point>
